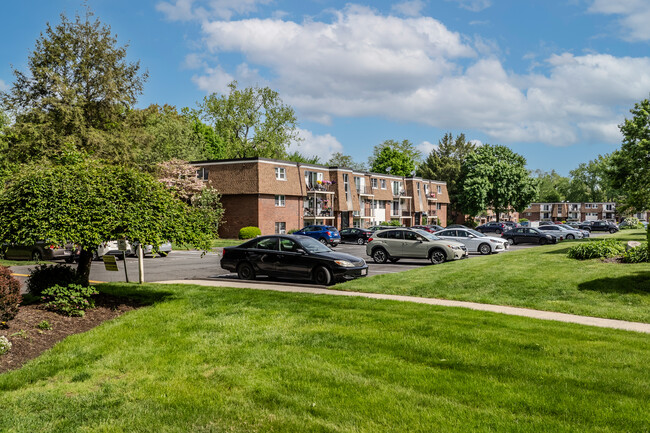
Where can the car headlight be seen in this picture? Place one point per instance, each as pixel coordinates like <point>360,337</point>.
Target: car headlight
<point>344,263</point>
<point>496,241</point>
<point>455,247</point>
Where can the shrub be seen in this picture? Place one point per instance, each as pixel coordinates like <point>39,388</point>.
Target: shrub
<point>637,255</point>
<point>631,223</point>
<point>46,276</point>
<point>9,295</point>
<point>71,300</point>
<point>5,345</point>
<point>391,223</point>
<point>523,220</point>
<point>596,249</point>
<point>471,223</point>
<point>249,232</point>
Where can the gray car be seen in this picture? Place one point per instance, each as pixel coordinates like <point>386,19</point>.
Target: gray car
<point>392,245</point>
<point>560,232</point>
<point>39,251</point>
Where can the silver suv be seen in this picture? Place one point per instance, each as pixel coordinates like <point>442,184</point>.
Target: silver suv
<point>392,245</point>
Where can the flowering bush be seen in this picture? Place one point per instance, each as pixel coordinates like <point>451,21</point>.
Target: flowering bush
<point>5,345</point>
<point>9,295</point>
<point>71,300</point>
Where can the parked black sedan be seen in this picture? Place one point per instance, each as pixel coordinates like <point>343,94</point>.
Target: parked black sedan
<point>292,257</point>
<point>355,235</point>
<point>523,235</point>
<point>493,226</point>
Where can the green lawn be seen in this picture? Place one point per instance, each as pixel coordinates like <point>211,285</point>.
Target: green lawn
<point>202,359</point>
<point>216,243</point>
<point>542,278</point>
<point>21,262</point>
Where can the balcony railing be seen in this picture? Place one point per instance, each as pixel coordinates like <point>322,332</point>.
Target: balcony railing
<point>406,213</point>
<point>318,213</point>
<point>431,196</point>
<point>321,187</point>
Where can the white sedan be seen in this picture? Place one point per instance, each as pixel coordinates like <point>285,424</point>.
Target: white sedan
<point>474,241</point>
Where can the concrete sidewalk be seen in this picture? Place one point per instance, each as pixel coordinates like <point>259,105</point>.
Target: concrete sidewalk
<point>514,311</point>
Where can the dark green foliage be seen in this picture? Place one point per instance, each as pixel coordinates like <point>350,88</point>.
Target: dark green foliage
<point>299,157</point>
<point>637,255</point>
<point>75,93</point>
<point>340,160</point>
<point>9,295</point>
<point>603,248</point>
<point>391,223</point>
<point>249,232</point>
<point>70,300</point>
<point>444,163</point>
<point>46,276</point>
<point>495,177</point>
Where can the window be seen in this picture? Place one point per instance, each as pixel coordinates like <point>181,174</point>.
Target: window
<point>410,236</point>
<point>202,173</point>
<point>609,207</point>
<point>383,184</point>
<point>280,228</point>
<point>438,206</point>
<point>268,243</point>
<point>439,189</point>
<point>357,183</point>
<point>279,201</point>
<point>527,213</point>
<point>280,173</point>
<point>373,183</point>
<point>288,245</point>
<point>426,189</point>
<point>418,188</point>
<point>395,208</point>
<point>346,185</point>
<point>312,178</point>
<point>397,187</point>
<point>394,234</point>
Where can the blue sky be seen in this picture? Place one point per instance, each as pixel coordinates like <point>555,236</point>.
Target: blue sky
<point>550,79</point>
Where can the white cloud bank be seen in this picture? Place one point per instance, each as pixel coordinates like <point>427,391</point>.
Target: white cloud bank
<point>362,63</point>
<point>322,146</point>
<point>3,86</point>
<point>635,16</point>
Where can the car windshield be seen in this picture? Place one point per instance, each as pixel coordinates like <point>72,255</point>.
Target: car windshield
<point>313,246</point>
<point>427,235</point>
<point>476,233</point>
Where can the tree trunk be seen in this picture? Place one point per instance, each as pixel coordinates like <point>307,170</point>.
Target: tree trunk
<point>83,268</point>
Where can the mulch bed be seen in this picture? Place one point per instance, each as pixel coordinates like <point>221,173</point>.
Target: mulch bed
<point>28,341</point>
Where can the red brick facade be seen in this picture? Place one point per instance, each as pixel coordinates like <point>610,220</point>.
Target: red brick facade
<point>266,193</point>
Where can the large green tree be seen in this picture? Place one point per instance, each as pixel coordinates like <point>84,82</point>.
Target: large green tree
<point>87,202</point>
<point>630,166</point>
<point>444,163</point>
<point>76,90</point>
<point>393,157</point>
<point>338,159</point>
<point>495,177</point>
<point>252,121</point>
<point>589,182</point>
<point>552,187</point>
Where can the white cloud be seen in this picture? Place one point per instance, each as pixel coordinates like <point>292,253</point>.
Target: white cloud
<point>3,86</point>
<point>635,15</point>
<point>477,143</point>
<point>473,5</point>
<point>426,147</point>
<point>363,64</point>
<point>186,10</point>
<point>322,146</point>
<point>411,8</point>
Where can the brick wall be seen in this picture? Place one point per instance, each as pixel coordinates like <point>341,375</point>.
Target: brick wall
<point>269,213</point>
<point>240,211</point>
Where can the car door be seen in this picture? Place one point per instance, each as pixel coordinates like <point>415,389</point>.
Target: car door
<point>264,257</point>
<point>414,245</point>
<point>346,235</point>
<point>293,261</point>
<point>526,235</point>
<point>393,242</point>
<point>470,241</point>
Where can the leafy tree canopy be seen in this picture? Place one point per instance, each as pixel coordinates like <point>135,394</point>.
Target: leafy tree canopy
<point>394,157</point>
<point>299,157</point>
<point>76,90</point>
<point>88,203</point>
<point>252,121</point>
<point>338,159</point>
<point>444,162</point>
<point>495,177</point>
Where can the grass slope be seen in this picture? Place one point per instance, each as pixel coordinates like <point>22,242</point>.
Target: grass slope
<point>542,278</point>
<point>225,360</point>
<point>216,243</point>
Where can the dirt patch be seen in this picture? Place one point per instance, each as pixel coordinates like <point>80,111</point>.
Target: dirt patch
<point>612,260</point>
<point>28,341</point>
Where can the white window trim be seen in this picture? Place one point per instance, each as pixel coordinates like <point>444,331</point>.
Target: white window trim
<point>280,200</point>
<point>280,231</point>
<point>279,170</point>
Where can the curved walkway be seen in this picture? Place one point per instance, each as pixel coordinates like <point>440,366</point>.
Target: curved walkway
<point>514,311</point>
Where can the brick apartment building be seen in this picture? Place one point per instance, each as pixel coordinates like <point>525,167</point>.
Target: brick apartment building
<point>278,196</point>
<point>565,211</point>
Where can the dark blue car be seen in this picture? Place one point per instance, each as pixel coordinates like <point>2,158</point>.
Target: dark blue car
<point>327,235</point>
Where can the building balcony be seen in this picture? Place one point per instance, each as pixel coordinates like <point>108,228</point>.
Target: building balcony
<point>365,190</point>
<point>318,213</point>
<point>363,214</point>
<point>321,188</point>
<point>406,214</point>
<point>432,196</point>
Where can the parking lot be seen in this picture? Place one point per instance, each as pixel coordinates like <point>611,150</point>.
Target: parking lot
<point>195,265</point>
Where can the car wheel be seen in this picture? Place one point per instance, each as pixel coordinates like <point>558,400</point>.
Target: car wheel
<point>245,271</point>
<point>484,249</point>
<point>543,241</point>
<point>612,231</point>
<point>498,231</point>
<point>37,256</point>
<point>380,256</point>
<point>323,241</point>
<point>437,256</point>
<point>394,259</point>
<point>511,241</point>
<point>570,237</point>
<point>322,276</point>
<point>95,255</point>
<point>360,241</point>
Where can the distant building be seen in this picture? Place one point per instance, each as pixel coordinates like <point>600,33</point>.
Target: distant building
<point>278,196</point>
<point>565,211</point>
